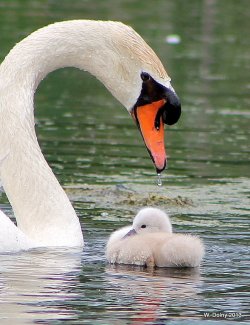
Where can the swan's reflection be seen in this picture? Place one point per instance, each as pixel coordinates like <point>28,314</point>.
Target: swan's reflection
<point>54,285</point>
<point>32,282</point>
<point>149,293</point>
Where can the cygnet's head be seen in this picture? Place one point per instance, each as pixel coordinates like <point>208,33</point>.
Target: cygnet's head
<point>149,220</point>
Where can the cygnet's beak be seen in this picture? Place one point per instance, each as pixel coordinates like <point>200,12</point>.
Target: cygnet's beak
<point>131,232</point>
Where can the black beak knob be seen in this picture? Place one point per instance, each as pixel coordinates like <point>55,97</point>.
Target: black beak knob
<point>171,111</point>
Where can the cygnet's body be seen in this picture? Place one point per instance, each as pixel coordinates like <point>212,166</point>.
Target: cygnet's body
<point>150,241</point>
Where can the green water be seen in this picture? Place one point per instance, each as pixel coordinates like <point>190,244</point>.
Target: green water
<point>96,152</point>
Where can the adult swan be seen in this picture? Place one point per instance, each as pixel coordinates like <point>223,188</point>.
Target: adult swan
<point>125,64</point>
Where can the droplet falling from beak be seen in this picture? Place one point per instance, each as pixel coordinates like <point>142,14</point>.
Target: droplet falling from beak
<point>159,179</point>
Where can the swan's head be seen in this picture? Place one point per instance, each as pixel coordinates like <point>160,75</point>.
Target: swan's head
<point>140,82</point>
<point>119,58</point>
<point>150,220</point>
<point>156,105</point>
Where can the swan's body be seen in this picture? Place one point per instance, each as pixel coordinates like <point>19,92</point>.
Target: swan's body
<point>112,52</point>
<point>12,238</point>
<point>150,241</point>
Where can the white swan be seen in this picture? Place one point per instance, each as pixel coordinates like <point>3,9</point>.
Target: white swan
<point>150,241</point>
<point>125,64</point>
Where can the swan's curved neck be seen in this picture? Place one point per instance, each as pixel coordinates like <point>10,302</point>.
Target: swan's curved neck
<point>112,52</point>
<point>102,48</point>
<point>41,207</point>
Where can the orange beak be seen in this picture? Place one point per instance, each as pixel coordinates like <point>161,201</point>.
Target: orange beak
<point>153,135</point>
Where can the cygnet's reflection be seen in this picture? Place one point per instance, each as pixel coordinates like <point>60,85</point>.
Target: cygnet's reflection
<point>147,294</point>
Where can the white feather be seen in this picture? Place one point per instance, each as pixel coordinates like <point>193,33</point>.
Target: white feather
<point>154,244</point>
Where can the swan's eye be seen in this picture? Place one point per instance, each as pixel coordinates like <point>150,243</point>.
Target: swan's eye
<point>143,226</point>
<point>145,76</point>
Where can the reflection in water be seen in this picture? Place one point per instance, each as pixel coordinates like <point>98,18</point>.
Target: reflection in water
<point>32,282</point>
<point>61,284</point>
<point>148,295</point>
<point>56,285</point>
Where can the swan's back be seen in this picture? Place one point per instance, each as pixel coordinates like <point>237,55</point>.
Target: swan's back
<point>12,239</point>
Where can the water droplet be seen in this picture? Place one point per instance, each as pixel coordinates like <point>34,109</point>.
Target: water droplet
<point>159,179</point>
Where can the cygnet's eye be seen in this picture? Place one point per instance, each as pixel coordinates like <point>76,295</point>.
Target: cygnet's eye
<point>143,226</point>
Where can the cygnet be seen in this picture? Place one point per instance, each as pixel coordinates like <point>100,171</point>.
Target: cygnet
<point>151,242</point>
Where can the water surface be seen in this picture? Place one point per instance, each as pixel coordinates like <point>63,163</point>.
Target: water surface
<point>97,154</point>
